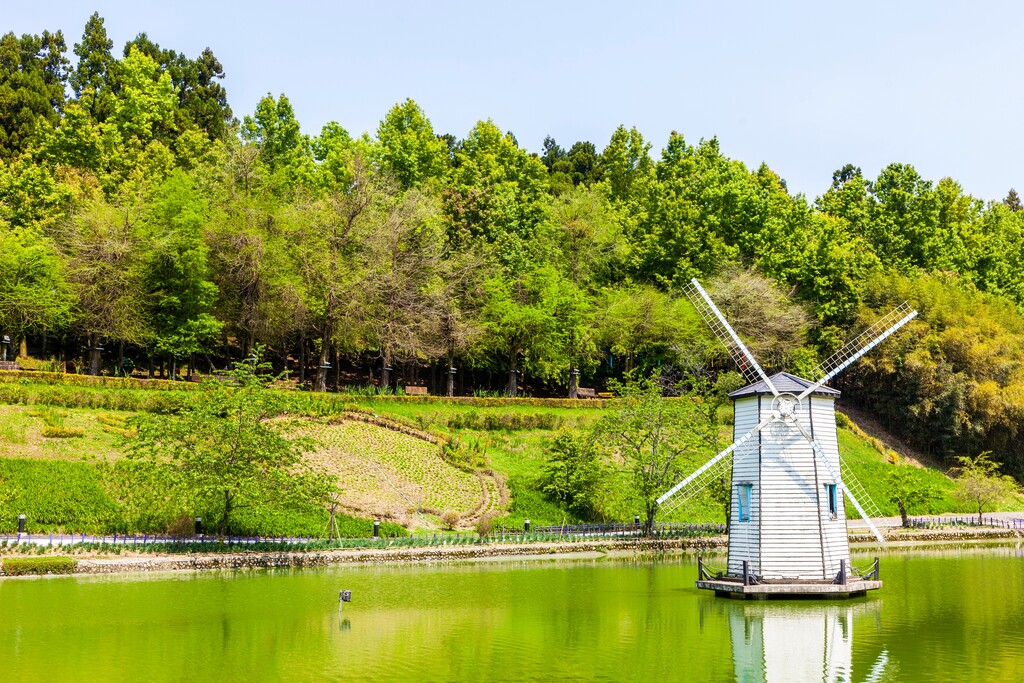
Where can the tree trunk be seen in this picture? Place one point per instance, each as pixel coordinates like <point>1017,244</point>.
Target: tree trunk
<point>652,510</point>
<point>450,389</point>
<point>95,358</point>
<point>321,371</point>
<point>302,357</point>
<point>903,514</point>
<point>513,377</point>
<point>227,514</point>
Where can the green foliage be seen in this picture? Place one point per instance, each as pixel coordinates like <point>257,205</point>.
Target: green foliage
<point>574,474</point>
<point>656,439</point>
<point>22,566</point>
<point>908,492</point>
<point>223,451</point>
<point>34,292</point>
<point>33,74</point>
<point>408,147</point>
<point>980,483</point>
<point>136,214</point>
<point>53,495</point>
<point>528,502</point>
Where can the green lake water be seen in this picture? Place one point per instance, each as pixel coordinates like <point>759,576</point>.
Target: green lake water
<point>950,615</point>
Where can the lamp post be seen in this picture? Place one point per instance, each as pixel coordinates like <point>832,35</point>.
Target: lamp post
<point>574,382</point>
<point>385,377</point>
<point>6,343</point>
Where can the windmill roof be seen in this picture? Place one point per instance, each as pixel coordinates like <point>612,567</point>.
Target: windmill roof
<point>785,383</point>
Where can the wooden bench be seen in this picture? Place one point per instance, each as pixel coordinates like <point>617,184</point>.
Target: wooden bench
<point>415,391</point>
<point>9,365</point>
<point>586,392</point>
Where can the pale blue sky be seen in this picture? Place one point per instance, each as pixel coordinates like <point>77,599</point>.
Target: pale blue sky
<point>805,86</point>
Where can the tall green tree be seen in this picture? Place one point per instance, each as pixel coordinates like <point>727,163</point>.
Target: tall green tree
<point>225,452</point>
<point>495,193</point>
<point>627,164</point>
<point>404,285</point>
<point>103,252</point>
<point>180,294</point>
<point>980,483</point>
<point>91,79</point>
<point>520,320</point>
<point>657,440</point>
<point>33,75</point>
<point>34,293</point>
<point>408,148</point>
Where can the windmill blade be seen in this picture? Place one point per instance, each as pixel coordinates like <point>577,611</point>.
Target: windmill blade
<point>861,344</point>
<point>839,482</point>
<point>711,468</point>
<point>723,330</point>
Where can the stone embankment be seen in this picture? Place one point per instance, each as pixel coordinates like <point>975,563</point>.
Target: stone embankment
<point>896,538</point>
<point>261,560</point>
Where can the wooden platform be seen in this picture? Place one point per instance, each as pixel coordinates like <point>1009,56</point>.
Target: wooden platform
<point>726,588</point>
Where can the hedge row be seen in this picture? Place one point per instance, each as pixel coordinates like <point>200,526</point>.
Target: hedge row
<point>21,566</point>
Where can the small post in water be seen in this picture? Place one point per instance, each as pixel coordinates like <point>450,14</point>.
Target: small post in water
<point>343,597</point>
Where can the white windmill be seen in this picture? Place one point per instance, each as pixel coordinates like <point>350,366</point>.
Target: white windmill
<point>780,644</point>
<point>788,521</point>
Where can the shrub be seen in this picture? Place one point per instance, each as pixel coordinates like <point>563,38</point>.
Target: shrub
<point>484,525</point>
<point>183,526</point>
<point>450,518</point>
<point>58,432</point>
<point>20,566</point>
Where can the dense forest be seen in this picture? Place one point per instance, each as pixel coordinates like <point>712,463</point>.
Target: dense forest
<point>143,224</point>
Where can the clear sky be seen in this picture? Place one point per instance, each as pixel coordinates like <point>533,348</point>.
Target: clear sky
<point>805,86</point>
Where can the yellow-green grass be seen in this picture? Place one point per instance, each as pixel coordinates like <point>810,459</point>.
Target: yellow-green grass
<point>23,433</point>
<point>384,472</point>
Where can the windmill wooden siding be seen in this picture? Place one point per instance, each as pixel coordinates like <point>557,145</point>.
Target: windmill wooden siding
<point>779,645</point>
<point>790,533</point>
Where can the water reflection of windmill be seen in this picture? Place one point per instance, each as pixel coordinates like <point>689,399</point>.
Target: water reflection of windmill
<point>781,644</point>
<point>787,527</point>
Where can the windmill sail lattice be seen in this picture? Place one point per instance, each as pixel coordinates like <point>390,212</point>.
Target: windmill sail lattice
<point>709,473</point>
<point>786,470</point>
<point>744,360</point>
<point>862,343</point>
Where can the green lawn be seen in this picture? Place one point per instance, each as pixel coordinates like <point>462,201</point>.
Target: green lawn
<point>61,481</point>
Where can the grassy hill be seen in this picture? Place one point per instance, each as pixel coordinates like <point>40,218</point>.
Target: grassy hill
<point>405,461</point>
